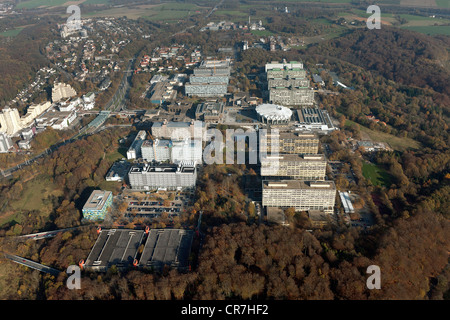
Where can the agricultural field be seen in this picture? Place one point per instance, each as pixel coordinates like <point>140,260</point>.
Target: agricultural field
<point>431,30</point>
<point>161,12</point>
<point>32,4</point>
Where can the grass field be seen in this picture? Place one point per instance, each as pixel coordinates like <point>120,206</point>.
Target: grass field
<point>397,143</point>
<point>35,192</point>
<point>31,4</point>
<point>11,33</point>
<point>378,176</point>
<point>167,12</point>
<point>430,30</point>
<point>443,3</point>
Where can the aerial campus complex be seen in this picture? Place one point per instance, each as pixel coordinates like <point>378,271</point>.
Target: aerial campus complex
<point>224,150</point>
<point>169,156</point>
<point>165,157</point>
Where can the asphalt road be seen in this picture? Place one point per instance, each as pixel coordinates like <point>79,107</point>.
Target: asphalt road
<point>32,264</point>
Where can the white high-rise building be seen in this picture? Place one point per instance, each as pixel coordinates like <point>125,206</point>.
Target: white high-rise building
<point>5,143</point>
<point>62,91</point>
<point>33,112</point>
<point>10,121</point>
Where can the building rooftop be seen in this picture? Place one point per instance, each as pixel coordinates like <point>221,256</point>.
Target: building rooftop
<point>114,247</point>
<point>298,184</point>
<point>185,167</point>
<point>296,157</point>
<point>169,247</point>
<point>274,112</point>
<point>96,200</point>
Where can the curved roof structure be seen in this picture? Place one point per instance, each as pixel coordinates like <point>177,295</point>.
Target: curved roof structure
<point>274,112</point>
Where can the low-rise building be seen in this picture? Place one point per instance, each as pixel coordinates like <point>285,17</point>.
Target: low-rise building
<point>97,205</point>
<point>179,130</point>
<point>209,111</point>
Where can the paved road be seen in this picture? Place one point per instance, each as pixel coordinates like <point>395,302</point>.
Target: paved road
<point>214,9</point>
<point>32,264</point>
<point>45,234</point>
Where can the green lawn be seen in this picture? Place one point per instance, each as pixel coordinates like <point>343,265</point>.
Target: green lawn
<point>378,176</point>
<point>11,33</point>
<point>443,3</point>
<point>34,195</point>
<point>430,30</point>
<point>96,2</point>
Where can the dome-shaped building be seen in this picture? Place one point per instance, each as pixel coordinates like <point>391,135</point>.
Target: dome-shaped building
<point>273,114</point>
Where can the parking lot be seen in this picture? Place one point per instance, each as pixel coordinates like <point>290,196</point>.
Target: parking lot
<point>149,207</point>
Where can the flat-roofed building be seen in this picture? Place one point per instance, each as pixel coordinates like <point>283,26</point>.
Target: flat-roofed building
<point>163,176</point>
<point>114,247</point>
<point>291,96</point>
<point>293,143</point>
<point>134,152</point>
<point>210,79</point>
<point>314,119</point>
<point>206,89</point>
<point>179,130</point>
<point>210,111</point>
<point>5,143</point>
<point>299,194</point>
<point>318,219</point>
<point>118,171</point>
<point>303,167</point>
<point>287,84</point>
<point>167,247</point>
<point>187,150</point>
<point>97,205</point>
<point>163,92</point>
<point>213,67</point>
<point>159,150</point>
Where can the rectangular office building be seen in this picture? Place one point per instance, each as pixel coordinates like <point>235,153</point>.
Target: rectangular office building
<point>293,143</point>
<point>302,167</point>
<point>301,195</point>
<point>287,84</point>
<point>163,176</point>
